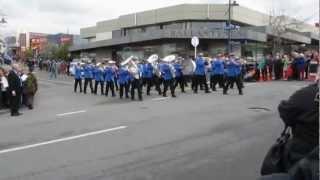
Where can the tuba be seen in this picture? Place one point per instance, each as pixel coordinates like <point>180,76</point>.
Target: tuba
<point>170,59</point>
<point>153,60</point>
<point>188,66</point>
<point>132,67</point>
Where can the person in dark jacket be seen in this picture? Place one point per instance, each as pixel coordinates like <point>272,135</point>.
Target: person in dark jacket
<point>15,90</point>
<point>278,68</point>
<point>301,113</point>
<point>270,64</point>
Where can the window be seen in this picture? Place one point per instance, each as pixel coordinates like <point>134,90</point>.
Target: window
<point>161,26</point>
<point>143,29</point>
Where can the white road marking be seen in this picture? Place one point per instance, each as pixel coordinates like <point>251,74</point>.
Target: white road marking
<point>61,140</point>
<point>160,99</point>
<point>70,113</point>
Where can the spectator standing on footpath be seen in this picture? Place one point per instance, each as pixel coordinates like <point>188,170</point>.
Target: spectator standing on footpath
<point>286,64</point>
<point>301,66</point>
<point>31,88</point>
<point>3,89</point>
<point>15,90</point>
<point>270,66</point>
<point>53,69</point>
<point>278,68</point>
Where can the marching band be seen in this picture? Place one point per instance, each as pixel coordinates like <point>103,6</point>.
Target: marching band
<point>163,74</point>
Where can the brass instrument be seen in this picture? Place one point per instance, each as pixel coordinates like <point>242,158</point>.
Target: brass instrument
<point>132,67</point>
<point>153,60</point>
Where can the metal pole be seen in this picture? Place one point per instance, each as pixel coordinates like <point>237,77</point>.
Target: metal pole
<point>229,27</point>
<point>195,53</point>
<point>319,31</point>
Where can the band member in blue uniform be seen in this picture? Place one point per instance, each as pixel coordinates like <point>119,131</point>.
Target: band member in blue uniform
<point>115,68</point>
<point>179,76</point>
<point>124,78</point>
<point>200,74</point>
<point>88,76</point>
<point>157,79</point>
<point>109,73</point>
<point>217,72</point>
<point>78,77</point>
<point>99,79</point>
<point>148,76</point>
<point>168,75</point>
<point>136,74</point>
<point>233,74</point>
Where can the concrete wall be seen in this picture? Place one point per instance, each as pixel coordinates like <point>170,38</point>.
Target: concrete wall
<point>103,36</point>
<point>216,46</point>
<point>249,16</point>
<point>88,32</point>
<point>102,53</point>
<point>107,26</point>
<point>184,12</point>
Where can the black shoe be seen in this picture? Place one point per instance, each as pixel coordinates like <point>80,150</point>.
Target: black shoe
<point>120,97</point>
<point>240,93</point>
<point>132,99</point>
<point>113,95</point>
<point>207,92</point>
<point>214,89</point>
<point>164,95</point>
<point>127,97</point>
<point>174,96</point>
<point>195,92</point>
<point>30,107</point>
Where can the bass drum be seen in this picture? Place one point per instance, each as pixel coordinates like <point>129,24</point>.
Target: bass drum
<point>188,67</point>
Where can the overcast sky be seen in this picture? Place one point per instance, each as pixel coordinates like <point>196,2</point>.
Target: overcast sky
<point>53,16</point>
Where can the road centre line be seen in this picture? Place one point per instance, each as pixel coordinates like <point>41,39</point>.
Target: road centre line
<point>70,113</point>
<point>61,140</point>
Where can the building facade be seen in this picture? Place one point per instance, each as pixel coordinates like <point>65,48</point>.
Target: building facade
<point>169,30</point>
<point>38,42</point>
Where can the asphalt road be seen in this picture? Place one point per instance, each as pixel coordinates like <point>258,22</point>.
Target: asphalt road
<point>72,136</point>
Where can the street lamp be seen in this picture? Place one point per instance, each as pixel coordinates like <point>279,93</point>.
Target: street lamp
<point>234,3</point>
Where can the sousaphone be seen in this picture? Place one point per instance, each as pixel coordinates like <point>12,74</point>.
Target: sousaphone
<point>188,66</point>
<point>125,62</point>
<point>153,58</point>
<point>169,59</point>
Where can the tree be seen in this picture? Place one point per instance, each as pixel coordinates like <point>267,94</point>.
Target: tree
<point>280,24</point>
<point>53,51</point>
<point>29,53</point>
<point>62,52</point>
